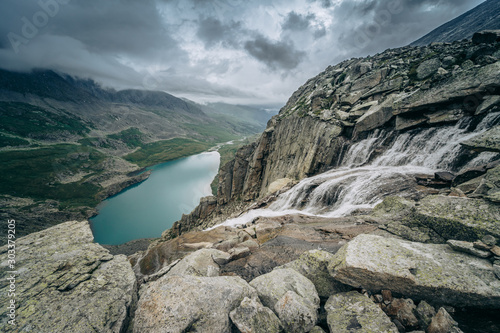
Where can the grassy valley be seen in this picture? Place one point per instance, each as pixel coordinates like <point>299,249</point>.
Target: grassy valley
<point>162,151</point>
<point>60,155</point>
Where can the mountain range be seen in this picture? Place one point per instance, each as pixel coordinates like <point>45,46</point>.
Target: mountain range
<point>67,143</point>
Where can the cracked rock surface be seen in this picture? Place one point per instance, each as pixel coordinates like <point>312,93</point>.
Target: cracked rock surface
<point>66,283</point>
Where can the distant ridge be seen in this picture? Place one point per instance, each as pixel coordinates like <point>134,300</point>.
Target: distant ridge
<point>486,16</point>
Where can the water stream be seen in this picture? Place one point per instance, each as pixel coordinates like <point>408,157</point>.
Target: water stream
<point>376,167</point>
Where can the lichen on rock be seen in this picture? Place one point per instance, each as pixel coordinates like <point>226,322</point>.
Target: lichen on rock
<point>67,283</point>
<point>432,272</point>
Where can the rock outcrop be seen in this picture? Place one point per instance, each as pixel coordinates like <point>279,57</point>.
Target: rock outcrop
<point>292,296</point>
<point>443,322</point>
<point>459,218</point>
<point>66,283</point>
<point>200,263</point>
<point>432,272</point>
<point>272,286</point>
<point>437,218</point>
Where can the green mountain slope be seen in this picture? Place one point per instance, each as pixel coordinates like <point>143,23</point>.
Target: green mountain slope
<point>66,143</point>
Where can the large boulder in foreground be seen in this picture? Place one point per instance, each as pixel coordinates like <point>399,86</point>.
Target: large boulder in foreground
<point>353,312</point>
<point>252,316</point>
<point>432,272</point>
<point>292,296</point>
<point>66,283</point>
<point>314,266</point>
<point>190,304</point>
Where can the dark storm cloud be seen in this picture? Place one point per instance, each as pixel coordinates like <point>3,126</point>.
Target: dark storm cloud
<point>91,30</point>
<point>116,26</point>
<point>297,22</point>
<point>375,25</point>
<point>324,3</point>
<point>106,26</point>
<point>206,47</point>
<point>212,32</point>
<point>319,33</point>
<point>276,55</point>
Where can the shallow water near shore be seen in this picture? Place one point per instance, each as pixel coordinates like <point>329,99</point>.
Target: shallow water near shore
<point>147,209</point>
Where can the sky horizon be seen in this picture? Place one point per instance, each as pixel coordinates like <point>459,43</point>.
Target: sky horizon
<point>232,51</point>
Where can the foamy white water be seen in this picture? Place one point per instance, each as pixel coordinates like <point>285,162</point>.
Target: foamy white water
<point>362,181</point>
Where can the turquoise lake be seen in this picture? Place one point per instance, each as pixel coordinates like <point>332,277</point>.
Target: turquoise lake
<point>147,209</point>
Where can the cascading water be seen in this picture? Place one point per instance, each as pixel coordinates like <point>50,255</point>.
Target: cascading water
<point>364,179</point>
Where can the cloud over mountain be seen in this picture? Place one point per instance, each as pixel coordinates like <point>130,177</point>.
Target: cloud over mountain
<point>230,50</point>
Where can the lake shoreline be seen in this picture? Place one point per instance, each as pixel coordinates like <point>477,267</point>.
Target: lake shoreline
<point>157,205</point>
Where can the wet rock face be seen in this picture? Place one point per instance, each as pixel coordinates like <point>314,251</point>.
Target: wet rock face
<point>433,272</point>
<point>60,270</point>
<point>487,141</point>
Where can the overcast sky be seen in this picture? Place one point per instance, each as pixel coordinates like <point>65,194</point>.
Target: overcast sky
<point>249,52</point>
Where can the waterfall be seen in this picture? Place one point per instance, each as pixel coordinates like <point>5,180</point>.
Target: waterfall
<point>379,166</point>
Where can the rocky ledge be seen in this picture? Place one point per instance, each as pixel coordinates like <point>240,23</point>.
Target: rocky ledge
<point>373,283</point>
<point>65,283</point>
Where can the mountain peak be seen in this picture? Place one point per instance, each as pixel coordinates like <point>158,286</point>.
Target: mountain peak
<point>486,16</point>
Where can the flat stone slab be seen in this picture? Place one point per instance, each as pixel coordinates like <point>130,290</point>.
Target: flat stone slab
<point>487,141</point>
<point>459,218</point>
<point>432,272</point>
<point>66,283</point>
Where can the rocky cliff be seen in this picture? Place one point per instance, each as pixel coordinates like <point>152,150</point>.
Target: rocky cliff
<point>396,91</point>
